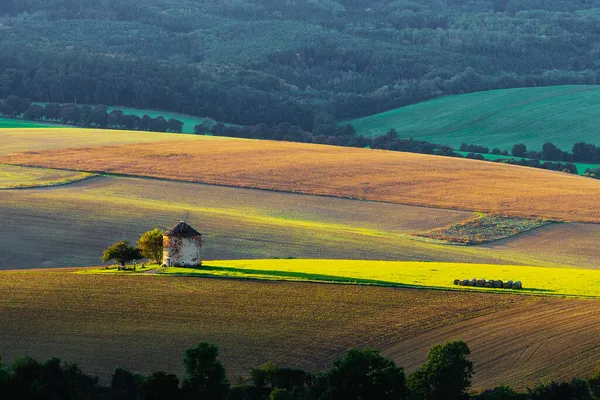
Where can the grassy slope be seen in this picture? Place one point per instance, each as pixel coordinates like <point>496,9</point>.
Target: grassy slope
<point>134,322</point>
<point>346,172</point>
<point>536,280</point>
<point>498,118</point>
<point>21,177</point>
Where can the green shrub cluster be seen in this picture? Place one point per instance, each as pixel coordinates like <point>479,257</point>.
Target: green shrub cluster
<point>484,229</point>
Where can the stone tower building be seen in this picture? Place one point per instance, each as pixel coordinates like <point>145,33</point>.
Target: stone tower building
<point>181,246</point>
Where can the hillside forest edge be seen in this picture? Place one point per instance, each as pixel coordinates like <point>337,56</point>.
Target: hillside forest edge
<point>305,63</point>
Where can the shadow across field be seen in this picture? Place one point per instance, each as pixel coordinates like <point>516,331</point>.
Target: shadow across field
<point>215,271</point>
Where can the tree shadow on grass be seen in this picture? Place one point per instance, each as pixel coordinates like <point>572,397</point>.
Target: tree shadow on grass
<point>245,273</point>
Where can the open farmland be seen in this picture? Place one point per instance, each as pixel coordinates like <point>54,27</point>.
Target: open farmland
<point>569,244</point>
<point>562,115</point>
<point>70,225</point>
<point>12,177</point>
<point>549,339</point>
<point>36,139</point>
<point>436,275</point>
<point>104,321</point>
<point>402,178</point>
<point>189,121</point>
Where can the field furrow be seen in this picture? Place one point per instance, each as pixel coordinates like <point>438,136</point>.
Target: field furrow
<point>104,321</point>
<point>543,341</point>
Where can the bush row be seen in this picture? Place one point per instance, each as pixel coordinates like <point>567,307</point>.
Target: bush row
<point>496,284</point>
<point>87,116</point>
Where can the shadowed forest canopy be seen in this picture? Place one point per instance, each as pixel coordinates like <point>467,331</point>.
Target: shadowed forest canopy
<point>301,62</point>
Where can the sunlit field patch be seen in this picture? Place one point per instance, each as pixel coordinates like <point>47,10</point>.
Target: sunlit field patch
<point>394,177</point>
<point>74,223</point>
<point>566,282</point>
<point>31,139</point>
<point>140,322</point>
<point>14,177</point>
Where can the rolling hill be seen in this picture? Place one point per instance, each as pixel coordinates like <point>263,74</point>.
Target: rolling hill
<point>134,322</point>
<point>101,321</point>
<point>73,224</point>
<point>562,115</point>
<point>395,177</point>
<point>38,138</point>
<point>538,281</point>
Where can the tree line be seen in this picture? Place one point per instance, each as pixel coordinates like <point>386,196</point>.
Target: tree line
<point>86,116</point>
<point>345,135</point>
<point>326,131</point>
<point>357,375</point>
<point>581,152</point>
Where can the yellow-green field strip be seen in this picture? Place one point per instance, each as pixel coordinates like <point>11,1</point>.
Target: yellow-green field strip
<point>16,177</point>
<point>541,281</point>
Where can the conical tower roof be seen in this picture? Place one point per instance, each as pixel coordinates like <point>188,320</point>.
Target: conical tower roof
<point>182,230</point>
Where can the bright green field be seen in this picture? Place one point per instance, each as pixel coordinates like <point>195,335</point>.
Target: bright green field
<point>536,280</point>
<point>499,118</point>
<point>17,123</point>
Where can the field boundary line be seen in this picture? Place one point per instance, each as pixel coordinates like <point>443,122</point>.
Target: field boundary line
<point>101,173</point>
<point>350,282</point>
<point>89,175</point>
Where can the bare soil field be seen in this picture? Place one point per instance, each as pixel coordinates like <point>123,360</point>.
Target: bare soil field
<point>71,225</point>
<point>105,321</point>
<point>394,177</point>
<point>548,339</point>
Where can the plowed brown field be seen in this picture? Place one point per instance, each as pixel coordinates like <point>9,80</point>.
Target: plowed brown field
<point>347,172</point>
<point>144,323</point>
<point>566,244</point>
<point>548,339</point>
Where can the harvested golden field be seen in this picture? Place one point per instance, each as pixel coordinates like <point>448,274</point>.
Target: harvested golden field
<point>134,322</point>
<point>35,139</point>
<point>13,177</point>
<point>394,177</point>
<point>71,225</point>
